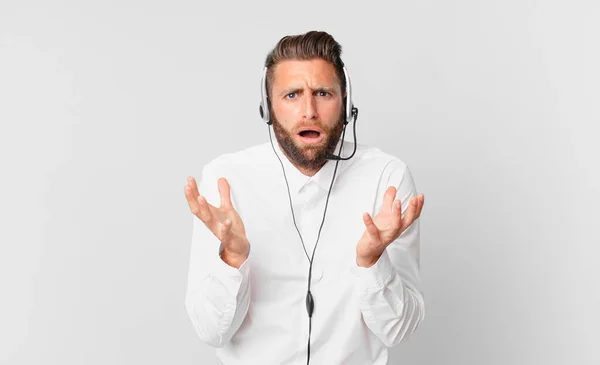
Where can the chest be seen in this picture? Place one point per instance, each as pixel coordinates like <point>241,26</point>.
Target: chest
<point>274,232</point>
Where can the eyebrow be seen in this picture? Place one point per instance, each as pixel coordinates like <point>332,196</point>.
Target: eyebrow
<point>290,90</point>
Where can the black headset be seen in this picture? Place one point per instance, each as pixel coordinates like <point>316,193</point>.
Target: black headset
<point>351,114</point>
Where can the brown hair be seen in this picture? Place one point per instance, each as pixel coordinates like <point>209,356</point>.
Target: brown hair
<point>307,46</point>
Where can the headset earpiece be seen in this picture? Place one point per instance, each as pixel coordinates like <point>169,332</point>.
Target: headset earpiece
<point>348,99</point>
<point>264,101</point>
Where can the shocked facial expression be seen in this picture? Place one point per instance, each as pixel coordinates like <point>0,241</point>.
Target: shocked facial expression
<point>307,111</point>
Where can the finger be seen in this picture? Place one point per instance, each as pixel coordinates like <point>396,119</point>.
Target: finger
<point>191,199</point>
<point>409,215</point>
<point>225,230</point>
<point>371,227</point>
<point>224,192</point>
<point>397,211</point>
<point>193,186</point>
<point>420,205</point>
<point>388,199</point>
<point>204,211</point>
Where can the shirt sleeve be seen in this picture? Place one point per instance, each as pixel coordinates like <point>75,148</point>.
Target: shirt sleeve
<point>391,302</point>
<point>218,295</point>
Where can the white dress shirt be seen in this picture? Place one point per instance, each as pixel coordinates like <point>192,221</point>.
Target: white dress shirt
<point>256,315</point>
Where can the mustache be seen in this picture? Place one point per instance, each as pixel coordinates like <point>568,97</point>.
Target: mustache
<point>320,125</point>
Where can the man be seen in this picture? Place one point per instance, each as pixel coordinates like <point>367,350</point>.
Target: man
<point>251,256</point>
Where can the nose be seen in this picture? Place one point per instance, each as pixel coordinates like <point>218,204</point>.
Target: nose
<point>310,107</point>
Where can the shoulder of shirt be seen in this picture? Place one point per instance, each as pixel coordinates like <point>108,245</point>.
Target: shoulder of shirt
<point>375,156</point>
<point>250,157</point>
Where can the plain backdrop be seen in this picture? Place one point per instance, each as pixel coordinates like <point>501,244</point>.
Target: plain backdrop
<point>107,106</point>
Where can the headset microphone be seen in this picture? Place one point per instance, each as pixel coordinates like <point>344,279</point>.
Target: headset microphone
<point>330,156</point>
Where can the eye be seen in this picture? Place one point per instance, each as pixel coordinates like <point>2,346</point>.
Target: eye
<point>291,96</point>
<point>322,93</point>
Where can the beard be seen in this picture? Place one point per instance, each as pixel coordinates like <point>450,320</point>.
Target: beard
<point>311,157</point>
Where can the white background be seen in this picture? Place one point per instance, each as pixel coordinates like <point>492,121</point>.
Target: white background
<point>106,108</point>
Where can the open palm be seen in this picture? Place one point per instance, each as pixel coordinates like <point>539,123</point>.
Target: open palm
<point>223,221</point>
<point>387,225</point>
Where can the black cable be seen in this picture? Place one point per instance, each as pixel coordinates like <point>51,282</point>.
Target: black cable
<point>309,297</point>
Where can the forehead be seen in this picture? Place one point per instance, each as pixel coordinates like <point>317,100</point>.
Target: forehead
<point>311,73</point>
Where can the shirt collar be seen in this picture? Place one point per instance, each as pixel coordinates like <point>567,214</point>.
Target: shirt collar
<point>297,180</point>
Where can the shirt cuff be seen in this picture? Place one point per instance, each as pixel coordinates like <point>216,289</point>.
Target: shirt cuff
<point>231,277</point>
<point>376,276</point>
<point>220,267</point>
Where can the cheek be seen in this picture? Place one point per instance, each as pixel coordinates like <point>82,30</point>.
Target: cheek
<point>330,112</point>
<point>286,114</point>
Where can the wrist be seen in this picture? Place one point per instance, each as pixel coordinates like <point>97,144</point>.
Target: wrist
<point>367,261</point>
<point>233,260</point>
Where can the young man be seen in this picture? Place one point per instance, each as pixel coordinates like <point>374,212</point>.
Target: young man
<point>295,256</point>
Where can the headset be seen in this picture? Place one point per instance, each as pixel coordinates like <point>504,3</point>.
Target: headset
<point>264,107</point>
<point>351,114</point>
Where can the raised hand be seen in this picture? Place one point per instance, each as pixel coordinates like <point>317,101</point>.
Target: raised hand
<point>386,226</point>
<point>224,222</point>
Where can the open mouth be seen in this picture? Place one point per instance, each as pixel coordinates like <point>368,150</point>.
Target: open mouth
<point>311,136</point>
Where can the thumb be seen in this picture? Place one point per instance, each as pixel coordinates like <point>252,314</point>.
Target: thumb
<point>371,227</point>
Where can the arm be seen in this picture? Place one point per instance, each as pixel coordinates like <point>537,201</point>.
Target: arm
<point>218,290</point>
<point>391,302</point>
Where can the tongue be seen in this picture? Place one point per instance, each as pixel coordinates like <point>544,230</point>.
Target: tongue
<point>310,134</point>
